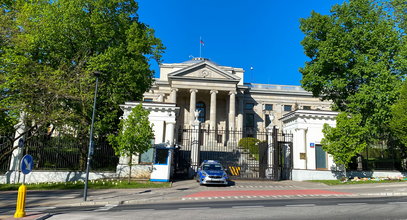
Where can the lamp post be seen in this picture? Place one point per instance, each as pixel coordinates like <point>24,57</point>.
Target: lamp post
<point>90,149</point>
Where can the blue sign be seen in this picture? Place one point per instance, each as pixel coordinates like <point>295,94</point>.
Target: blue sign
<point>312,145</point>
<point>27,164</point>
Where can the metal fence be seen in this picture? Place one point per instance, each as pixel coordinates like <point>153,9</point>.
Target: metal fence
<point>6,144</point>
<point>247,154</point>
<point>62,152</point>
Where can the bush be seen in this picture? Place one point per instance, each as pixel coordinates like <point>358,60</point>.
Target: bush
<point>250,144</point>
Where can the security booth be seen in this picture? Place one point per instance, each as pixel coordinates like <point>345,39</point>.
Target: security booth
<point>162,163</point>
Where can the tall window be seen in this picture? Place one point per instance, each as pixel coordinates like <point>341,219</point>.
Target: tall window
<point>249,120</point>
<point>200,106</point>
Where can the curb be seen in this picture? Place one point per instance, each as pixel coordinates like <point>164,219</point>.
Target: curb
<point>30,216</point>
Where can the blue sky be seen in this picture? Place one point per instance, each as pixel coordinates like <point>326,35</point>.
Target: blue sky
<point>263,34</point>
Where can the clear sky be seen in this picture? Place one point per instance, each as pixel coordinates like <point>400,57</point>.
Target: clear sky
<point>263,34</point>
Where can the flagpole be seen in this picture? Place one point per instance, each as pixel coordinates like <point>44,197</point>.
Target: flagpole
<point>200,46</point>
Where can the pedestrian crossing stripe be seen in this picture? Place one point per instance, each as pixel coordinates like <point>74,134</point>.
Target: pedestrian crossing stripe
<point>235,171</point>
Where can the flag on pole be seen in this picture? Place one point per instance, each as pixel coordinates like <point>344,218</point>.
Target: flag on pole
<point>202,43</point>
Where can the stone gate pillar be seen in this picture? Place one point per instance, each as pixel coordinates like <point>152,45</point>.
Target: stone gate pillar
<point>195,148</point>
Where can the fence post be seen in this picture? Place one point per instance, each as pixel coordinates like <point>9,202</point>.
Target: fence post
<point>270,164</point>
<point>195,149</point>
<point>13,174</point>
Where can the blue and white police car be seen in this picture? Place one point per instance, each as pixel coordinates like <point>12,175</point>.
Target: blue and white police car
<point>211,172</point>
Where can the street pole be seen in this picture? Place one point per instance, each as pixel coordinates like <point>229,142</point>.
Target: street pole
<point>90,149</point>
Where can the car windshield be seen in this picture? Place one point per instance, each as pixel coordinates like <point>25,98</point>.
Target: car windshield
<point>212,167</point>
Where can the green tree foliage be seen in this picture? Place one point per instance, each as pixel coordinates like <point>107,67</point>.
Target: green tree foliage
<point>251,144</point>
<point>356,61</point>
<point>399,121</point>
<point>49,51</point>
<point>134,136</point>
<point>346,139</point>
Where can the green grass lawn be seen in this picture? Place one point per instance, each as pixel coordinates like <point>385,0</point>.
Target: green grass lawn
<point>94,184</point>
<point>339,182</point>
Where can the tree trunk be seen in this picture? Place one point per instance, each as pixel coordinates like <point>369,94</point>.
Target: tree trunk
<point>130,163</point>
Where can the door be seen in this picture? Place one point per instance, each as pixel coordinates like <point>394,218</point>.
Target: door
<point>320,157</point>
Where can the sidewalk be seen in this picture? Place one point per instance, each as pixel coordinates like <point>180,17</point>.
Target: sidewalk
<point>189,190</point>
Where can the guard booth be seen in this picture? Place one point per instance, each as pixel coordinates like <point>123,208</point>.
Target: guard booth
<point>162,163</point>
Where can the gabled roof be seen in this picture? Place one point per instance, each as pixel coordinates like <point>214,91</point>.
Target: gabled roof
<point>208,70</point>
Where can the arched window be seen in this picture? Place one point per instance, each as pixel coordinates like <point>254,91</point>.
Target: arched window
<point>200,106</point>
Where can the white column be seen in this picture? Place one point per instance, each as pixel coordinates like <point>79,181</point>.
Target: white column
<point>232,115</point>
<point>212,122</point>
<point>169,132</point>
<point>232,110</point>
<point>240,112</point>
<point>192,105</point>
<point>300,147</point>
<point>174,95</point>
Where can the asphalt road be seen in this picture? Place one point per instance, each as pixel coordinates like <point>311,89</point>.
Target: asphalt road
<point>327,208</point>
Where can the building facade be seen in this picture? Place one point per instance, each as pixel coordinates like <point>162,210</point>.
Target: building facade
<point>222,98</point>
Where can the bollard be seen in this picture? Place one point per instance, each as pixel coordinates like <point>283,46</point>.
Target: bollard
<point>20,207</point>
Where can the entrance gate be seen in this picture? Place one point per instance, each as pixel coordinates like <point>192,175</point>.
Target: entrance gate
<point>248,154</point>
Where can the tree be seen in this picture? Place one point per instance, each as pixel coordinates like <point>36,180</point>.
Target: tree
<point>49,51</point>
<point>356,61</point>
<point>399,121</point>
<point>134,135</point>
<point>346,139</point>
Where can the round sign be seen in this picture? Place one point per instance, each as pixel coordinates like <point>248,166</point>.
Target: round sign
<point>27,164</point>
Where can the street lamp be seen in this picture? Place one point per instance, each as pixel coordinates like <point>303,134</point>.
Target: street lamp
<point>90,149</point>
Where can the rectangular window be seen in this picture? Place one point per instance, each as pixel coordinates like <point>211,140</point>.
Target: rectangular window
<point>219,138</point>
<point>320,157</point>
<point>161,156</point>
<point>250,120</point>
<point>148,100</point>
<point>306,107</point>
<point>287,108</point>
<point>268,107</point>
<point>147,157</point>
<point>249,106</point>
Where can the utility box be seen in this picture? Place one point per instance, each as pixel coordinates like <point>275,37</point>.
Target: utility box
<point>163,156</point>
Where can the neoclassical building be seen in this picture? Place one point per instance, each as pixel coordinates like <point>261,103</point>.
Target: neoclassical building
<point>222,97</point>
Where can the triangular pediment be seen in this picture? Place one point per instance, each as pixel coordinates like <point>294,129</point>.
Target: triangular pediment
<point>203,70</point>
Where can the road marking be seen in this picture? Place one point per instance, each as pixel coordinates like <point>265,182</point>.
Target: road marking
<point>346,204</point>
<point>247,206</point>
<point>395,203</point>
<point>300,205</point>
<point>106,207</point>
<point>194,208</point>
<point>39,208</point>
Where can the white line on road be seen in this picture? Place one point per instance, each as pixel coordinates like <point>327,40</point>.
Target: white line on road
<point>194,208</point>
<point>39,208</point>
<point>301,205</point>
<point>247,206</point>
<point>352,204</point>
<point>395,203</point>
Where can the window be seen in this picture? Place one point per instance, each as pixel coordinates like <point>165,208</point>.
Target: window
<point>287,108</point>
<point>306,107</point>
<point>147,157</point>
<point>161,156</point>
<point>249,106</point>
<point>148,100</point>
<point>250,120</point>
<point>268,107</point>
<point>219,138</point>
<point>200,106</point>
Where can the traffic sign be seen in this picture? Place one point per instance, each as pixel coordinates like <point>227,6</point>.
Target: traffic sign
<point>27,164</point>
